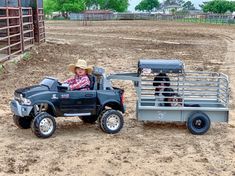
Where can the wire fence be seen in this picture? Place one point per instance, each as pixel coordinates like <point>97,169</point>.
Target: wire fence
<point>199,18</point>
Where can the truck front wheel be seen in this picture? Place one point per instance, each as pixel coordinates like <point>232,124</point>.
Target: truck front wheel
<point>22,122</point>
<point>111,121</point>
<point>43,125</point>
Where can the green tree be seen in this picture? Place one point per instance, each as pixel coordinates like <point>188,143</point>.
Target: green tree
<point>173,2</point>
<point>49,6</point>
<point>188,6</point>
<point>218,6</point>
<point>147,5</point>
<point>92,3</point>
<point>64,6</point>
<point>180,2</point>
<point>116,5</point>
<point>173,11</point>
<point>232,6</point>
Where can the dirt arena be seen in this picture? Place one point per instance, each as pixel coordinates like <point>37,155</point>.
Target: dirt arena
<point>139,149</point>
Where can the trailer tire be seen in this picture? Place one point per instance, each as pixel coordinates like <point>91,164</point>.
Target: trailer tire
<point>198,123</point>
<point>111,121</point>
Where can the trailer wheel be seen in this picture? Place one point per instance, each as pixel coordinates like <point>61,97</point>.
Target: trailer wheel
<point>111,121</point>
<point>43,125</point>
<point>198,123</point>
<point>22,122</point>
<point>89,119</point>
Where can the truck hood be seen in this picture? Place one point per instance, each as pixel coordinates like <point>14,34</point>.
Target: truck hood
<point>31,90</point>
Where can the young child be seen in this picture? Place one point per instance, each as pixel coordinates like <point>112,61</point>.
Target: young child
<point>80,80</point>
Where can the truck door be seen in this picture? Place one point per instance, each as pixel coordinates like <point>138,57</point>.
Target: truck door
<point>73,103</point>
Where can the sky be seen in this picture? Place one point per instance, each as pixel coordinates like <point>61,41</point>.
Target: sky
<point>133,3</point>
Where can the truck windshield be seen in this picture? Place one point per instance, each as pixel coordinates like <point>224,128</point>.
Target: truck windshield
<point>48,82</point>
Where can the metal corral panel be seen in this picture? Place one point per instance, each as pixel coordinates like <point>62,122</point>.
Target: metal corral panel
<point>32,3</point>
<point>3,3</point>
<point>13,3</point>
<point>26,3</point>
<point>9,3</point>
<point>23,3</point>
<point>40,3</point>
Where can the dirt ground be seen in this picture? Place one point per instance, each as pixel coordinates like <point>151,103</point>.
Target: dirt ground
<point>139,149</point>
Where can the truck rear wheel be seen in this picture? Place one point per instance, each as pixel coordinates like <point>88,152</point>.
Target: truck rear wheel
<point>22,122</point>
<point>89,119</point>
<point>198,123</point>
<point>111,121</point>
<point>43,125</point>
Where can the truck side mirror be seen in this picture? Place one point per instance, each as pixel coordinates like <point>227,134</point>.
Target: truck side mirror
<point>62,88</point>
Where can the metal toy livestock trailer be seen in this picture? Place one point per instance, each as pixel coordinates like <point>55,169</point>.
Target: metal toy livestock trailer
<point>166,92</point>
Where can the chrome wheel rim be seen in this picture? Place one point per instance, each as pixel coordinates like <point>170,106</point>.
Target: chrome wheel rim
<point>46,126</point>
<point>113,122</point>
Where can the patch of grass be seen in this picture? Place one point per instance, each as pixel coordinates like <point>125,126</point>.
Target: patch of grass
<point>26,56</point>
<point>14,61</point>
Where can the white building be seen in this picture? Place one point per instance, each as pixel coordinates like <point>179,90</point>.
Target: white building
<point>171,8</point>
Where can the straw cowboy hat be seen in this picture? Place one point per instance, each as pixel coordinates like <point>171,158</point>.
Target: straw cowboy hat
<point>80,64</point>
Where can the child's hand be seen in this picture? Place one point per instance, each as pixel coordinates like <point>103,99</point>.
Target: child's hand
<point>66,85</point>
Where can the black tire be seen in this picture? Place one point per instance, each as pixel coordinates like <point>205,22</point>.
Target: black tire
<point>105,122</point>
<point>89,119</point>
<point>39,121</point>
<point>22,122</point>
<point>99,118</point>
<point>198,123</point>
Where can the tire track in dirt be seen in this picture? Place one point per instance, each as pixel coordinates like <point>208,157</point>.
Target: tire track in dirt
<point>230,66</point>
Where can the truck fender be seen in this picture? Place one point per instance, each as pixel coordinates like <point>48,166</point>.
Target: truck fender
<point>53,112</point>
<point>112,104</point>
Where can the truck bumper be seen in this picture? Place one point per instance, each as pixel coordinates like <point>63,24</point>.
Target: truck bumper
<point>20,110</point>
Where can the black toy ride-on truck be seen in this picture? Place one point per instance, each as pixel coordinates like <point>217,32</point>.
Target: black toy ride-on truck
<point>37,106</point>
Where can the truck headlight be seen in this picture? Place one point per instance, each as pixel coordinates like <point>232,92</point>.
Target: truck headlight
<point>24,101</point>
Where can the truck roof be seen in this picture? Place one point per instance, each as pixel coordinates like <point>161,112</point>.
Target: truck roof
<point>161,65</point>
